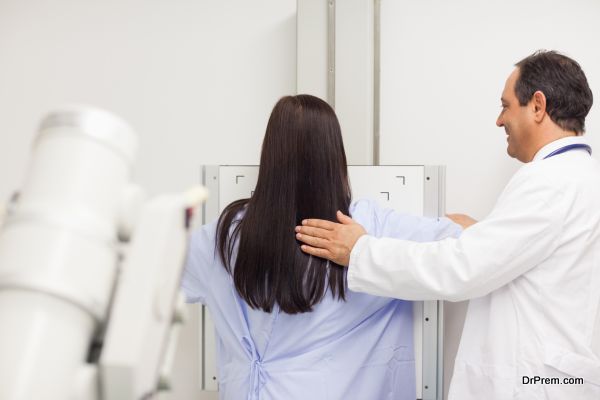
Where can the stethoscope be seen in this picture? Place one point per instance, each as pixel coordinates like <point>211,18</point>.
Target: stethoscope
<point>570,147</point>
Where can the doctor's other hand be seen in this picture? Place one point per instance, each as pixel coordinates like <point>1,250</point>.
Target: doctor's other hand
<point>462,219</point>
<point>328,239</point>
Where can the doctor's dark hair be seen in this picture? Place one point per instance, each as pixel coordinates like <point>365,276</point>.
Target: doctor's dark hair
<point>561,79</point>
<point>302,174</point>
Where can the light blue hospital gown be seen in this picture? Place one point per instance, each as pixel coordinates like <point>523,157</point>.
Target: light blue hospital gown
<point>358,349</point>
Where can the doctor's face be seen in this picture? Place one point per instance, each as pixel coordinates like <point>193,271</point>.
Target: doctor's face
<point>517,122</point>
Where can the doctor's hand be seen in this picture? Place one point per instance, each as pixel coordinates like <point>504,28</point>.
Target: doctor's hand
<point>462,219</point>
<point>328,239</point>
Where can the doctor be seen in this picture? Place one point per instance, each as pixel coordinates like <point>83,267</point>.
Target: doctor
<point>531,268</point>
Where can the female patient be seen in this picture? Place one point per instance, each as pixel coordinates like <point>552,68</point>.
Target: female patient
<point>287,326</point>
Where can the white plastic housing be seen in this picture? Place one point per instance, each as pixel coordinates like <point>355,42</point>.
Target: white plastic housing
<point>141,335</point>
<point>58,251</point>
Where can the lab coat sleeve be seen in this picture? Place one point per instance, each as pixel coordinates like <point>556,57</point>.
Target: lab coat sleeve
<point>522,230</point>
<point>199,264</point>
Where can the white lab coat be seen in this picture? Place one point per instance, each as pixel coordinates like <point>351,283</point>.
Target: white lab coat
<point>532,272</point>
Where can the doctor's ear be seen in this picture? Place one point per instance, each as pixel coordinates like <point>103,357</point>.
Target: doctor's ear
<point>539,105</point>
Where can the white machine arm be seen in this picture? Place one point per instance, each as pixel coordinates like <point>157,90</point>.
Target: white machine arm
<point>75,325</point>
<point>147,309</point>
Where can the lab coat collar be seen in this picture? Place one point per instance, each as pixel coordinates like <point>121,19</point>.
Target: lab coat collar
<point>557,144</point>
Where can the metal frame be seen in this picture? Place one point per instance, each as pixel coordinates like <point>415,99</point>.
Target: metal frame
<point>207,345</point>
<point>433,311</point>
<point>376,79</point>
<point>331,53</point>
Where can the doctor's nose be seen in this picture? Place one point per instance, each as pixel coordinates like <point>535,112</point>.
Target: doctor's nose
<point>499,121</point>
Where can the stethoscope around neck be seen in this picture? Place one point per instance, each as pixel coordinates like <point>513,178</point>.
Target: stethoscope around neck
<point>570,147</point>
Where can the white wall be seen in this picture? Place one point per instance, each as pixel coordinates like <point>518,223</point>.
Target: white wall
<point>444,64</point>
<point>196,79</point>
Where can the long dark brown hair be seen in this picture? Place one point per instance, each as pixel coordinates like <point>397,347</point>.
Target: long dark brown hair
<point>302,174</point>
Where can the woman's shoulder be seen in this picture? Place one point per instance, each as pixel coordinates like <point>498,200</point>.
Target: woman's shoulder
<point>363,209</point>
<point>203,233</point>
<point>371,215</point>
<point>382,221</point>
<point>208,231</point>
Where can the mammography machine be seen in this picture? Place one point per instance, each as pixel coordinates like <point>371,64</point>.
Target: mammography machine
<point>89,271</point>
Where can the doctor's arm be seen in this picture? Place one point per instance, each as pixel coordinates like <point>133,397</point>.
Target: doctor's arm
<point>522,231</point>
<point>335,241</point>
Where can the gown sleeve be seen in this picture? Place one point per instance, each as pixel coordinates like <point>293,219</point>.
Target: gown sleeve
<point>199,264</point>
<point>386,222</point>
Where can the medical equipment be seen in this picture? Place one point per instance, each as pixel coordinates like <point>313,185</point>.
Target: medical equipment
<point>89,272</point>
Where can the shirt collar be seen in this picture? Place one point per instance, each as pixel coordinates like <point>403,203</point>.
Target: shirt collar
<point>557,144</point>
